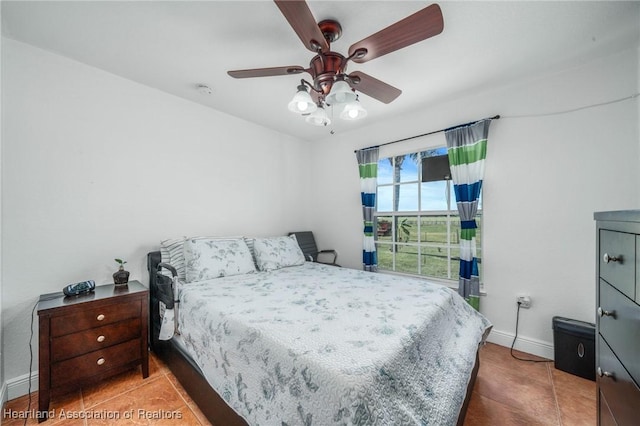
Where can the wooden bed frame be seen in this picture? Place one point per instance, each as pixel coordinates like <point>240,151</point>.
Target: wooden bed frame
<point>190,376</point>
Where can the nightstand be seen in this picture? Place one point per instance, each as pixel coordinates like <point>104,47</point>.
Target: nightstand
<point>85,339</point>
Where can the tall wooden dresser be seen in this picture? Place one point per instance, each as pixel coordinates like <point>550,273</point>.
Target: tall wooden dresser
<point>87,338</point>
<point>618,317</point>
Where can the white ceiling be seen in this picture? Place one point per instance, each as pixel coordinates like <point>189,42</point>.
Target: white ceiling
<point>175,45</point>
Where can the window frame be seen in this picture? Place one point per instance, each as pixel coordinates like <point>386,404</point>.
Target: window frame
<point>450,214</point>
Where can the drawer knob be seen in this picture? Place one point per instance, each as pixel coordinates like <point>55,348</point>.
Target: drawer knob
<point>603,373</point>
<point>100,338</point>
<point>100,317</point>
<point>603,313</point>
<point>607,258</point>
<point>100,361</point>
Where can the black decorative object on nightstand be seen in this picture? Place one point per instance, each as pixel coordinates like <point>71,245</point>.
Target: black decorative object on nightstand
<point>121,277</point>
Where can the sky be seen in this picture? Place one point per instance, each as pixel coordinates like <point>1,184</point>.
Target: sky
<point>432,195</point>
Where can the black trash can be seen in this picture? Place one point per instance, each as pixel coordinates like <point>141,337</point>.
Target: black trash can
<point>574,347</point>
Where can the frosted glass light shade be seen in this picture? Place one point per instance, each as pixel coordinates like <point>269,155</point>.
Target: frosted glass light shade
<point>353,111</point>
<point>302,103</point>
<point>318,118</point>
<point>340,93</point>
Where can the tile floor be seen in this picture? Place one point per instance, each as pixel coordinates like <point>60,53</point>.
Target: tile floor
<point>512,392</point>
<point>507,392</point>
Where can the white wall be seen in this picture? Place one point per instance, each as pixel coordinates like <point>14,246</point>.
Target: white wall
<point>545,177</point>
<point>3,395</point>
<point>96,167</point>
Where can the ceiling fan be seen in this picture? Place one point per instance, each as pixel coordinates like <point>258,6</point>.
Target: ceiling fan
<point>331,84</point>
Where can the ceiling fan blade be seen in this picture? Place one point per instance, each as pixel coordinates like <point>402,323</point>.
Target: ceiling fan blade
<point>420,26</point>
<point>373,87</point>
<point>266,72</point>
<point>301,19</point>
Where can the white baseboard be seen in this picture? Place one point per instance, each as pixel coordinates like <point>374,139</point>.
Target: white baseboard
<point>524,344</point>
<point>19,386</point>
<point>3,394</point>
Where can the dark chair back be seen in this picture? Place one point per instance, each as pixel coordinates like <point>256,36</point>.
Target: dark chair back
<point>307,244</point>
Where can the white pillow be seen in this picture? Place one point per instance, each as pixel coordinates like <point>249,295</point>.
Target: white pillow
<point>277,252</point>
<point>213,258</point>
<point>171,252</point>
<point>249,242</point>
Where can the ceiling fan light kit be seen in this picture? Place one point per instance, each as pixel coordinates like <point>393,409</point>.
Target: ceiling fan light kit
<point>353,111</point>
<point>318,118</point>
<point>340,93</point>
<point>332,86</point>
<point>302,102</point>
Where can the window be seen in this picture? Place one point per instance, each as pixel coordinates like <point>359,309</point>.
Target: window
<point>417,223</point>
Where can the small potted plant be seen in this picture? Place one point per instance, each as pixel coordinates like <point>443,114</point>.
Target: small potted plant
<point>121,277</point>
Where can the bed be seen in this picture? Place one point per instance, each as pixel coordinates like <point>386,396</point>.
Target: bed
<point>312,344</point>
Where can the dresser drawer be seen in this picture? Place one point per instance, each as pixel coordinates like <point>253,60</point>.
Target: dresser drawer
<point>71,345</point>
<point>621,327</point>
<point>94,317</point>
<point>617,260</point>
<point>605,418</point>
<point>621,394</point>
<point>82,367</point>
<point>638,269</point>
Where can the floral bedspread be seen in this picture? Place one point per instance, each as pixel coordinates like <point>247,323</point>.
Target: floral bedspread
<point>321,345</point>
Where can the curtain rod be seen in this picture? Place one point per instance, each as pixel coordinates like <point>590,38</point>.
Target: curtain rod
<point>495,117</point>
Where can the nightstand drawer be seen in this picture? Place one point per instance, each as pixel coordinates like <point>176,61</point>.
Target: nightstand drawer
<point>617,260</point>
<point>619,390</point>
<point>71,345</point>
<point>82,367</point>
<point>94,317</point>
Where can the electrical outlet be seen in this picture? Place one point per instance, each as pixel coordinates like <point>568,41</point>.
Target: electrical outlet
<point>524,301</point>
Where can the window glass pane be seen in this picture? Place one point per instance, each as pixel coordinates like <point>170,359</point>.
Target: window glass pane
<point>433,196</point>
<point>434,262</point>
<point>384,199</point>
<point>385,171</point>
<point>455,229</point>
<point>433,152</point>
<point>433,229</point>
<point>455,262</point>
<point>384,228</point>
<point>407,259</point>
<point>407,197</point>
<point>408,167</point>
<point>385,256</point>
<point>406,229</point>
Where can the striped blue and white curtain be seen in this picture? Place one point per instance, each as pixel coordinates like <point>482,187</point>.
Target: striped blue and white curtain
<point>368,166</point>
<point>467,150</point>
